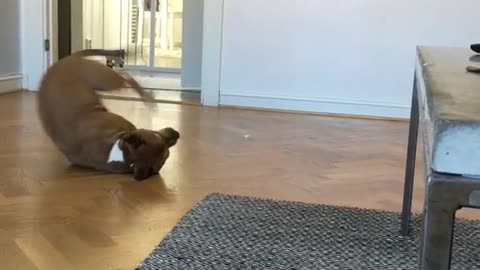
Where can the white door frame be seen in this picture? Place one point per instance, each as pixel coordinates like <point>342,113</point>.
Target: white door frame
<point>53,33</point>
<point>212,52</point>
<point>37,24</point>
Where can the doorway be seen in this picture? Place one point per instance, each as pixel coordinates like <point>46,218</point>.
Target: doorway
<point>64,28</point>
<point>151,32</point>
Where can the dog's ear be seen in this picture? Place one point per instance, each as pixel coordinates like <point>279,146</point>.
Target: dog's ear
<point>133,140</point>
<point>170,135</point>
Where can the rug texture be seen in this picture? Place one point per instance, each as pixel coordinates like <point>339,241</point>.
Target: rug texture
<point>229,232</point>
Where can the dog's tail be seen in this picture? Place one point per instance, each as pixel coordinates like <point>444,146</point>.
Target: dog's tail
<point>135,85</point>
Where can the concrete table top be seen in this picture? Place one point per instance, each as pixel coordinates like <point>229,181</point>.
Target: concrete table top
<point>449,104</point>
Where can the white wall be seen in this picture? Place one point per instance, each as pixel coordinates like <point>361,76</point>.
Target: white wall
<point>349,56</point>
<point>93,22</point>
<point>33,32</point>
<point>116,17</point>
<point>10,58</point>
<point>10,37</point>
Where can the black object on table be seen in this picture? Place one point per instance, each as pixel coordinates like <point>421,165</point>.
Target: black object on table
<point>475,47</point>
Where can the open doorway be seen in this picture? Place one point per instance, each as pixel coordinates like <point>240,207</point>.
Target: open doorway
<point>149,30</point>
<point>159,38</point>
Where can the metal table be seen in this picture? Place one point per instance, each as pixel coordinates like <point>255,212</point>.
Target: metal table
<point>446,108</point>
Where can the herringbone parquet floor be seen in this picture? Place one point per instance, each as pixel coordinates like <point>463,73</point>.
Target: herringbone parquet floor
<point>53,216</point>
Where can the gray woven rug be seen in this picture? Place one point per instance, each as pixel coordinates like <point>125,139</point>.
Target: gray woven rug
<point>229,232</point>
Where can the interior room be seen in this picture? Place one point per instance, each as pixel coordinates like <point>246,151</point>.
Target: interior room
<point>127,25</point>
<point>224,134</point>
<point>150,33</point>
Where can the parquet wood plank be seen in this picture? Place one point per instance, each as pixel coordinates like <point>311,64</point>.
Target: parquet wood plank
<point>42,254</point>
<point>55,216</point>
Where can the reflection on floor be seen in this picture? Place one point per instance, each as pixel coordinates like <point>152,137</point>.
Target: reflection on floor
<point>156,80</point>
<point>168,96</point>
<point>165,87</point>
<point>163,59</point>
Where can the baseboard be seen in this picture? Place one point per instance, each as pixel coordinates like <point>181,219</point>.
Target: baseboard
<point>11,83</point>
<point>316,105</point>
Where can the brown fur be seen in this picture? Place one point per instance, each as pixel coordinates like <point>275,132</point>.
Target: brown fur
<point>85,131</point>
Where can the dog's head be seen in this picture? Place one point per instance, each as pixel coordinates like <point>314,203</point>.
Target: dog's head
<point>148,150</point>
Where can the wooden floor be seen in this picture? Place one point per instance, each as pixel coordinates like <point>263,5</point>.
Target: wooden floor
<point>53,216</point>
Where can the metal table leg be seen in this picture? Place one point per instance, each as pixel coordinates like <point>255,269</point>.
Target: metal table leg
<point>410,166</point>
<point>441,203</point>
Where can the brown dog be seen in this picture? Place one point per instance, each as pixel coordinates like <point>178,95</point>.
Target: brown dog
<point>86,132</point>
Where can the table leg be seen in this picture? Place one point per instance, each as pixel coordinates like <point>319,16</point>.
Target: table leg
<point>410,166</point>
<point>437,229</point>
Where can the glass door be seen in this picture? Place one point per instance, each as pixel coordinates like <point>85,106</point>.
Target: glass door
<point>150,31</point>
<point>155,26</point>
<point>168,34</point>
